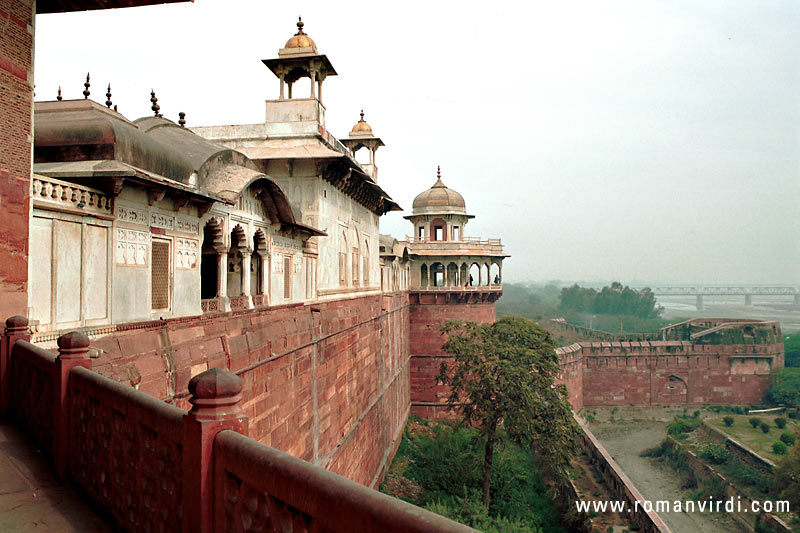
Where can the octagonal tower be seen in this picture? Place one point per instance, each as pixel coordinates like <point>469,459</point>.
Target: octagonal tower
<point>453,277</point>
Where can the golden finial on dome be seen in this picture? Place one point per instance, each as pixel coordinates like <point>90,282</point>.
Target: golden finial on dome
<point>301,38</point>
<point>438,172</point>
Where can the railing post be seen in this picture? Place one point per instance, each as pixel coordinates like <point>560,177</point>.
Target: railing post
<point>215,396</point>
<point>16,329</point>
<point>73,350</point>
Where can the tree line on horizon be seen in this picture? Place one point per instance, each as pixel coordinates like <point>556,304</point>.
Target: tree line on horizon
<point>614,299</point>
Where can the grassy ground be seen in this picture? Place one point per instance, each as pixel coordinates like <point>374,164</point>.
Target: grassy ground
<point>754,438</point>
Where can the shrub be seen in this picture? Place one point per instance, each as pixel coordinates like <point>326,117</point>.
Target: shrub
<point>787,438</point>
<point>780,422</point>
<point>655,451</point>
<point>794,415</point>
<point>779,448</point>
<point>754,421</point>
<point>728,420</point>
<point>764,427</point>
<point>738,410</point>
<point>696,414</point>
<point>683,425</point>
<point>715,453</point>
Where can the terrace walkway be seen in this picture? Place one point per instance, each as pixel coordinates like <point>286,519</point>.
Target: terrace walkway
<point>31,498</point>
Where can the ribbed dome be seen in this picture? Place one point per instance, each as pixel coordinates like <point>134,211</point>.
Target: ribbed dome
<point>439,199</point>
<point>361,126</point>
<point>300,39</point>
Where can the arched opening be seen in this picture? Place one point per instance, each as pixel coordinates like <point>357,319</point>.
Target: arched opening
<point>362,155</point>
<point>209,273</point>
<point>474,274</point>
<point>423,276</point>
<point>495,273</point>
<point>452,275</point>
<point>300,88</point>
<point>438,230</point>
<point>437,274</point>
<point>238,241</point>
<point>258,269</point>
<point>463,278</point>
<point>485,274</point>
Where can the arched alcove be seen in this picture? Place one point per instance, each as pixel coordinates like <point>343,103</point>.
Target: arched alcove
<point>495,274</point>
<point>474,274</point>
<point>209,274</point>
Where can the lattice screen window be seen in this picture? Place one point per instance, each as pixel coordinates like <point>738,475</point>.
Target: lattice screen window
<point>287,276</point>
<point>160,274</point>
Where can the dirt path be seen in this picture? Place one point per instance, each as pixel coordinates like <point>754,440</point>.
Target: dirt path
<point>625,440</point>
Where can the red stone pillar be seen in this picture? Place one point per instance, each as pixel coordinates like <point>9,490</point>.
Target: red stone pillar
<point>73,351</point>
<point>215,395</point>
<point>16,329</point>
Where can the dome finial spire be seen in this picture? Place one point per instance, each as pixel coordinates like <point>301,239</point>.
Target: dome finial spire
<point>362,116</point>
<point>299,26</point>
<point>438,172</point>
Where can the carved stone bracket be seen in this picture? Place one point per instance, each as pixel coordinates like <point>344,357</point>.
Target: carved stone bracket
<point>180,201</point>
<point>155,195</point>
<point>203,207</point>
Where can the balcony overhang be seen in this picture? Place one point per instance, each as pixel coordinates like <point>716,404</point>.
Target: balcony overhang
<point>455,295</point>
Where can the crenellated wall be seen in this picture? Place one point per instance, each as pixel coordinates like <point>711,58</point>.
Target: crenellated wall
<point>667,372</point>
<point>327,383</point>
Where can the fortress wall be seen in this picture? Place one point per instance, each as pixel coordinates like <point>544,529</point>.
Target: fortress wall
<point>327,383</point>
<point>428,399</point>
<point>570,359</point>
<point>670,375</point>
<point>16,136</point>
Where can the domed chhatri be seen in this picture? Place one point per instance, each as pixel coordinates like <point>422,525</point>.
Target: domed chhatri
<point>361,127</point>
<point>439,199</point>
<point>300,39</point>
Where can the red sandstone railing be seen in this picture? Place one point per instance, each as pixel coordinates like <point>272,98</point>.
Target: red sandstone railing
<point>298,496</point>
<point>32,391</point>
<point>260,300</point>
<point>131,451</point>
<point>153,467</point>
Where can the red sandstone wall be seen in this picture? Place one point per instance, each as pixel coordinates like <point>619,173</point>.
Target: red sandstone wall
<point>16,111</point>
<point>674,373</point>
<point>327,383</point>
<point>426,320</point>
<point>570,359</point>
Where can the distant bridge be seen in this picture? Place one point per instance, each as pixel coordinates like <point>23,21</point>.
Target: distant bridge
<point>727,290</point>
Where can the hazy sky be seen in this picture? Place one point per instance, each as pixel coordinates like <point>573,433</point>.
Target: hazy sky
<point>651,141</point>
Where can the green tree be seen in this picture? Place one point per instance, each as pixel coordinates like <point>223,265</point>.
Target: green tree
<point>786,478</point>
<point>503,375</point>
<point>785,387</point>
